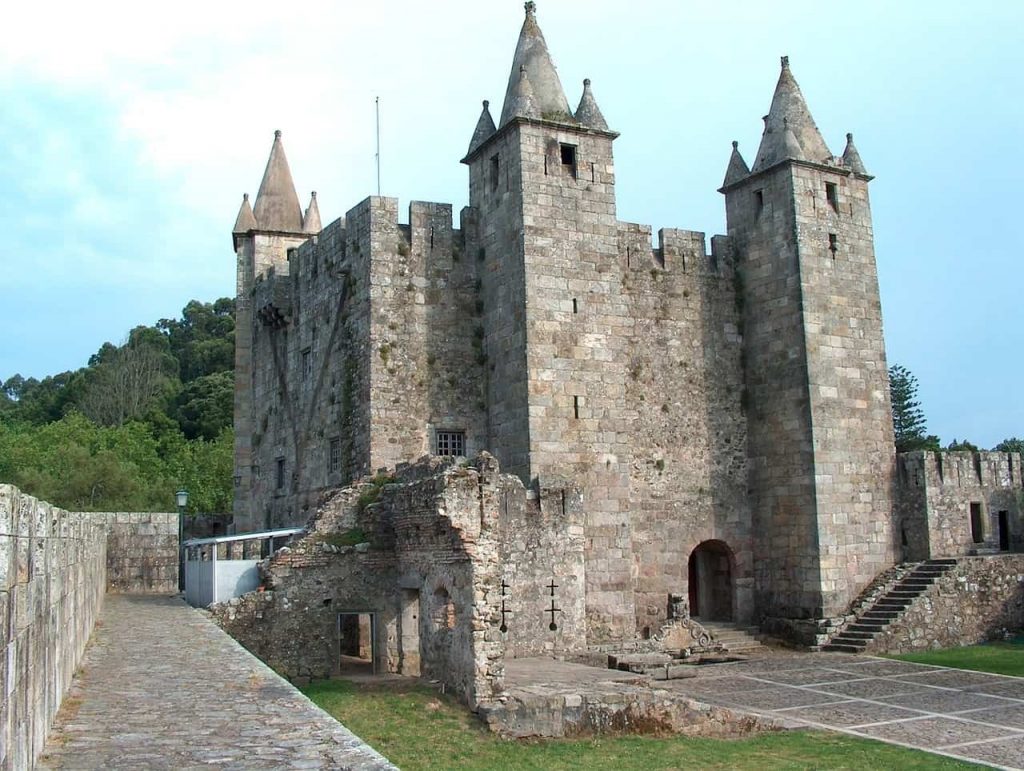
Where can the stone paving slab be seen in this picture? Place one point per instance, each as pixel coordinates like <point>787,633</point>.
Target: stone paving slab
<point>161,687</point>
<point>968,715</point>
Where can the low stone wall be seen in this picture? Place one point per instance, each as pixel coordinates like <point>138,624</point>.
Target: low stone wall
<point>980,599</point>
<point>142,552</point>
<point>55,567</point>
<point>52,567</point>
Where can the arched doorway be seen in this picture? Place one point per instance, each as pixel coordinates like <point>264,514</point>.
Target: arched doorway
<point>710,582</point>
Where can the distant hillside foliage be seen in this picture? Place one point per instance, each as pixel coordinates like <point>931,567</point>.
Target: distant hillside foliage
<point>141,420</point>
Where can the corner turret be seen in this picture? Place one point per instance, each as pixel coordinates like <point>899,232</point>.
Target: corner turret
<point>311,219</point>
<point>588,113</point>
<point>789,115</point>
<point>533,61</point>
<point>277,205</point>
<point>484,130</point>
<point>244,222</point>
<point>851,158</point>
<point>737,169</point>
<point>521,101</point>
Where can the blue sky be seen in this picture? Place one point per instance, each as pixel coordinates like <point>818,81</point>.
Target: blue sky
<point>129,132</point>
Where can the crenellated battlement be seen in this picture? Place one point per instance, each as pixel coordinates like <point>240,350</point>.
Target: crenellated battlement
<point>678,251</point>
<point>960,469</point>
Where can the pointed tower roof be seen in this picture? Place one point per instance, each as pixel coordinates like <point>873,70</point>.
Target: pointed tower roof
<point>521,102</point>
<point>789,110</point>
<point>484,129</point>
<point>737,168</point>
<point>311,219</point>
<point>245,221</point>
<point>277,206</point>
<point>851,158</point>
<point>588,113</point>
<point>533,59</point>
<point>791,146</point>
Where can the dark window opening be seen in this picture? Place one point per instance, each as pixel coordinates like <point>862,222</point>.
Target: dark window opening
<point>977,524</point>
<point>450,443</point>
<point>576,407</point>
<point>307,363</point>
<point>494,173</point>
<point>279,474</point>
<point>833,244</point>
<point>575,307</point>
<point>569,159</point>
<point>832,195</point>
<point>1004,530</point>
<point>758,202</point>
<point>334,456</point>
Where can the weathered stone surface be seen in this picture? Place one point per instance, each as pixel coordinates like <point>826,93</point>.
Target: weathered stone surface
<point>161,687</point>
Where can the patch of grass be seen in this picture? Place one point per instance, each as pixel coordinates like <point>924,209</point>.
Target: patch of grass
<point>347,538</point>
<point>1000,658</point>
<point>417,728</point>
<point>372,493</point>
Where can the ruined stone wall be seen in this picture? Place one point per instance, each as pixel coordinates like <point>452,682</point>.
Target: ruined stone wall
<point>936,493</point>
<point>543,567</point>
<point>425,564</point>
<point>685,381</point>
<point>980,599</point>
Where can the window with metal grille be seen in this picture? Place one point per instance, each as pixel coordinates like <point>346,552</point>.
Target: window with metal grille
<point>334,456</point>
<point>450,443</point>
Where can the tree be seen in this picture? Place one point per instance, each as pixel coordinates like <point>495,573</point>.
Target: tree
<point>1010,445</point>
<point>907,416</point>
<point>128,381</point>
<point>205,405</point>
<point>964,446</point>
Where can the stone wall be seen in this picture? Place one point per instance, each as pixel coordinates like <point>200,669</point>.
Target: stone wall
<point>980,599</point>
<point>142,552</point>
<point>55,567</point>
<point>937,491</point>
<point>52,565</point>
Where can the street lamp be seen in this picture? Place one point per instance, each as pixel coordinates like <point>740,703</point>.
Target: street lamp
<point>182,498</point>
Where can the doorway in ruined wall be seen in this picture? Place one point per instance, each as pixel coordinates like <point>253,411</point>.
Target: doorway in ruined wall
<point>356,646</point>
<point>409,634</point>
<point>1004,530</point>
<point>710,580</point>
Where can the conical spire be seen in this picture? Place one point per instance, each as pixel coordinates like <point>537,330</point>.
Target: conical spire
<point>311,219</point>
<point>737,168</point>
<point>521,102</point>
<point>790,144</point>
<point>277,206</point>
<point>533,59</point>
<point>484,128</point>
<point>789,109</point>
<point>245,221</point>
<point>851,158</point>
<point>588,113</point>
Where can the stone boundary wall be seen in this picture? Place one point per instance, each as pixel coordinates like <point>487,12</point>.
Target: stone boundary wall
<point>978,600</point>
<point>55,567</point>
<point>142,552</point>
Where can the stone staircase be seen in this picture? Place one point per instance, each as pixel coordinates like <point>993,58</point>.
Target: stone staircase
<point>734,638</point>
<point>897,597</point>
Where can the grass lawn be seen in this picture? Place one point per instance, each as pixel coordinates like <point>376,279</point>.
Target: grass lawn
<point>1002,658</point>
<point>416,728</point>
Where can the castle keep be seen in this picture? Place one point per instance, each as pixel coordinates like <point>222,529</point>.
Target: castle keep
<point>669,432</point>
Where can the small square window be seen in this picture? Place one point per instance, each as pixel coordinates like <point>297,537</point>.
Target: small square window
<point>334,456</point>
<point>450,443</point>
<point>569,159</point>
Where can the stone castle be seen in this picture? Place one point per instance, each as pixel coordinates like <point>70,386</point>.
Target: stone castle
<point>683,432</point>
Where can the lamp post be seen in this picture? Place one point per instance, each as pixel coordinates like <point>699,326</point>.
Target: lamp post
<point>182,499</point>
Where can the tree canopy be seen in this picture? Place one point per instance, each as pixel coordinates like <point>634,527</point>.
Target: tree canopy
<point>908,419</point>
<point>140,420</point>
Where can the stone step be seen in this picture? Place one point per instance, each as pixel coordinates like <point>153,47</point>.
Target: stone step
<point>868,626</point>
<point>887,615</point>
<point>857,635</point>
<point>903,593</point>
<point>948,562</point>
<point>915,583</point>
<point>836,647</point>
<point>900,603</point>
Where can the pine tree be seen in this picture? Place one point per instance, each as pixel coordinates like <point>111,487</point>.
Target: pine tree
<point>907,416</point>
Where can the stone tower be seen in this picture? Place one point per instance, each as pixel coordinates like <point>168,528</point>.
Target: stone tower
<point>262,236</point>
<point>542,186</point>
<point>820,439</point>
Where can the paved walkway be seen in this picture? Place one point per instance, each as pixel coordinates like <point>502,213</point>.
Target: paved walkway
<point>162,687</point>
<point>968,715</point>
